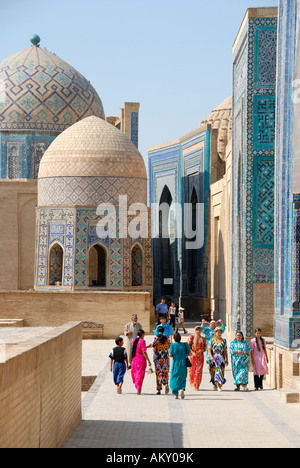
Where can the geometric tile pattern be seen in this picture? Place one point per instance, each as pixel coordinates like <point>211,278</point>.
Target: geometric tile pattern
<point>45,219</point>
<point>70,234</point>
<point>40,91</point>
<point>89,190</point>
<point>21,153</point>
<point>253,164</point>
<point>287,279</point>
<point>135,128</point>
<point>263,204</point>
<point>264,122</point>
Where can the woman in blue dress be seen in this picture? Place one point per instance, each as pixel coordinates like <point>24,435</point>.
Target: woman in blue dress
<point>179,352</point>
<point>240,359</point>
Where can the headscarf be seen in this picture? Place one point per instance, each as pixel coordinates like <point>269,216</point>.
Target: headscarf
<point>236,340</point>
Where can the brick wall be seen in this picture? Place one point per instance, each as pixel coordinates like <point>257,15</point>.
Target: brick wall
<point>18,199</point>
<point>40,390</point>
<point>52,309</point>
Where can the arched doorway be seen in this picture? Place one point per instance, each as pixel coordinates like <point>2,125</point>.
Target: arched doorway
<point>193,254</point>
<point>56,261</point>
<point>97,266</point>
<point>165,248</point>
<point>137,266</point>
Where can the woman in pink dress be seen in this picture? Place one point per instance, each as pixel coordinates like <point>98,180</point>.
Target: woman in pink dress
<point>139,361</point>
<point>259,359</point>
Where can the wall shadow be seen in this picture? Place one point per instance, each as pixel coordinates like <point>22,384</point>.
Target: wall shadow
<point>124,434</point>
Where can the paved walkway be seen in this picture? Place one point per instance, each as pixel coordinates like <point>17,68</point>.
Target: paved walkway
<point>204,419</point>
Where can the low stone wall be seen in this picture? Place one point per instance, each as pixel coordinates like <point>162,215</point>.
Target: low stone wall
<point>40,389</point>
<point>54,308</point>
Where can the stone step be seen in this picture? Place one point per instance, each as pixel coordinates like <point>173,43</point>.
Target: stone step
<point>289,395</point>
<point>297,384</point>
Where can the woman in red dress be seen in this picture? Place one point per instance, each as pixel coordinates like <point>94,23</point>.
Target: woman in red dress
<point>197,344</point>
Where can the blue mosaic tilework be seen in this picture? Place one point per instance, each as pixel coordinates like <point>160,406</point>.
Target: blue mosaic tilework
<point>253,164</point>
<point>92,191</point>
<point>42,92</point>
<point>185,169</point>
<point>263,203</point>
<point>264,122</point>
<point>287,274</point>
<point>135,128</point>
<point>56,233</point>
<point>20,154</point>
<point>47,218</point>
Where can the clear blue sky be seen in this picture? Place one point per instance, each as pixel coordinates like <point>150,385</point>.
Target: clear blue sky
<point>172,56</point>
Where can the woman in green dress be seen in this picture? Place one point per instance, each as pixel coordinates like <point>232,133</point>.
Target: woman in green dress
<point>240,358</point>
<point>179,352</point>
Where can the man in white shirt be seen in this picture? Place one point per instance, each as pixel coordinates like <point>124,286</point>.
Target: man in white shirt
<point>130,331</point>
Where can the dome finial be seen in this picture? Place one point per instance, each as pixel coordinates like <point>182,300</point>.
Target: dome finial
<point>35,40</point>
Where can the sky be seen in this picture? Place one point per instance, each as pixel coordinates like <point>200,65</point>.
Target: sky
<point>172,56</point>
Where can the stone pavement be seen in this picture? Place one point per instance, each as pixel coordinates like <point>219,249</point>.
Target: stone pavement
<point>204,419</point>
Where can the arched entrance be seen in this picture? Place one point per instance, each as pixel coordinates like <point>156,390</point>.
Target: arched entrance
<point>97,266</point>
<point>137,266</point>
<point>165,248</point>
<point>56,261</point>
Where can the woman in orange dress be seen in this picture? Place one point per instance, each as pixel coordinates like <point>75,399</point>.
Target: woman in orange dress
<point>197,344</point>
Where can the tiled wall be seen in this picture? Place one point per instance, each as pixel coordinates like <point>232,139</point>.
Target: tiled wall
<point>253,164</point>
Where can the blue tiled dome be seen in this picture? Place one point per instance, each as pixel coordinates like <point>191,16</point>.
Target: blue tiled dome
<point>40,91</point>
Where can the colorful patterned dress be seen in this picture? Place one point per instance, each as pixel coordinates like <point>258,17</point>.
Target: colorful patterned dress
<point>217,367</point>
<point>240,362</point>
<point>161,362</point>
<point>209,334</point>
<point>197,360</point>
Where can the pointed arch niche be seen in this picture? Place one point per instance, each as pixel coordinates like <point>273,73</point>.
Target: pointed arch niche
<point>56,262</point>
<point>136,266</point>
<point>97,268</point>
<point>193,254</point>
<point>165,248</point>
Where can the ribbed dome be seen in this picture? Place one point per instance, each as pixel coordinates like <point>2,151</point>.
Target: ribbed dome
<point>92,148</point>
<point>40,91</point>
<point>90,163</point>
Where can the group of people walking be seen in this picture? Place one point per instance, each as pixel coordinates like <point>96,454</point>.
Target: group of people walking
<point>206,344</point>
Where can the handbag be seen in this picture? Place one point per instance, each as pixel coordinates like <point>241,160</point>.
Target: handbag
<point>187,359</point>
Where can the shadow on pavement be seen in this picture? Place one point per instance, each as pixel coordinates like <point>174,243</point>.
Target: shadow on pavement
<point>123,434</point>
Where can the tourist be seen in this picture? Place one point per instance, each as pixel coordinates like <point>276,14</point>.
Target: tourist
<point>130,331</point>
<point>218,355</point>
<point>139,361</point>
<point>197,345</point>
<point>259,359</point>
<point>240,359</point>
<point>162,310</point>
<point>168,330</point>
<point>119,362</point>
<point>208,329</point>
<point>181,320</point>
<point>179,352</point>
<point>161,346</point>
<point>172,315</point>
